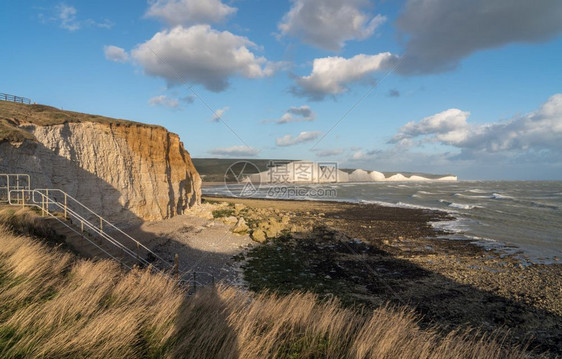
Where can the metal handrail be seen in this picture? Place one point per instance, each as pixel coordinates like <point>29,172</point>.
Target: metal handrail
<point>7,187</point>
<point>100,218</point>
<point>45,207</point>
<point>19,194</point>
<point>75,231</point>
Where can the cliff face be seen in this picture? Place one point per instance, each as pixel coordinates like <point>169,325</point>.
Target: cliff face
<point>122,170</point>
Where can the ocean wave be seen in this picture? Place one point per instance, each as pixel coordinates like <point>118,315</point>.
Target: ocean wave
<point>458,205</point>
<point>476,190</point>
<point>462,195</point>
<point>415,206</point>
<point>456,226</point>
<point>380,203</point>
<point>462,206</point>
<point>406,205</point>
<point>501,196</point>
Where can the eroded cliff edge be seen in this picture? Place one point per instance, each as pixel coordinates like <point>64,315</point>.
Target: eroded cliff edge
<point>121,169</point>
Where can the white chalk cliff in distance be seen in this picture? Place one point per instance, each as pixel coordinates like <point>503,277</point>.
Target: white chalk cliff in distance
<point>311,172</point>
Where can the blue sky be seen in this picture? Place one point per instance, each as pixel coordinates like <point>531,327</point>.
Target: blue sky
<point>445,86</point>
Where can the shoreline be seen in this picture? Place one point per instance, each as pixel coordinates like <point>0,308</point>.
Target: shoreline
<point>369,254</point>
<point>458,226</point>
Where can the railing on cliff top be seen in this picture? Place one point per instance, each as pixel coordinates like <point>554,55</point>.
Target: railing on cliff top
<point>15,190</point>
<point>14,98</point>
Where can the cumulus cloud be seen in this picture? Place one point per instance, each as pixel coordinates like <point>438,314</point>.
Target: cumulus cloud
<point>114,53</point>
<point>189,12</point>
<point>448,127</point>
<point>202,55</point>
<point>165,101</point>
<point>442,32</point>
<point>235,151</point>
<point>290,140</point>
<point>333,75</point>
<point>217,116</point>
<point>535,131</point>
<point>296,114</point>
<point>328,24</point>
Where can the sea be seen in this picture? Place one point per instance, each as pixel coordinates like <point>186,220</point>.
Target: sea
<point>521,218</point>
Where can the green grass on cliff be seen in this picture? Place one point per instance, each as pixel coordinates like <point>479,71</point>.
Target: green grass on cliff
<point>13,115</point>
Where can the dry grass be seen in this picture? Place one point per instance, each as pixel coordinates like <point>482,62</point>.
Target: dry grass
<point>13,114</point>
<point>55,305</point>
<point>27,221</point>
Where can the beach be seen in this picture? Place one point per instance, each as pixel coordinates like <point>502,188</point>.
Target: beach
<point>370,255</point>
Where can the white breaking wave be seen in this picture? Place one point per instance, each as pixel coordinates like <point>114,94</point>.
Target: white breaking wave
<point>462,206</point>
<point>500,196</point>
<point>476,190</point>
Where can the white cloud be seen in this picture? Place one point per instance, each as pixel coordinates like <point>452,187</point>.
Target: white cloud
<point>442,32</point>
<point>114,53</point>
<point>235,151</point>
<point>290,140</point>
<point>449,127</point>
<point>163,100</point>
<point>189,12</point>
<point>333,75</point>
<point>329,153</point>
<point>217,116</point>
<point>67,16</point>
<point>106,24</point>
<point>362,155</point>
<point>535,131</point>
<point>202,55</point>
<point>526,147</point>
<point>296,114</point>
<point>328,24</point>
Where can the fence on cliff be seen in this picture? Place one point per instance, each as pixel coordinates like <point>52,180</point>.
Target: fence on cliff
<point>14,98</point>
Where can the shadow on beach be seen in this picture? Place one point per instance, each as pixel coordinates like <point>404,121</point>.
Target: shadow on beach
<point>371,275</point>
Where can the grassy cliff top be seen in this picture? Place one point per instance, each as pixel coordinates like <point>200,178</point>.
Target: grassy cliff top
<point>14,114</point>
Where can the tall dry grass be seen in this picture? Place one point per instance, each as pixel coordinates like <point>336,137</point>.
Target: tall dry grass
<point>55,305</point>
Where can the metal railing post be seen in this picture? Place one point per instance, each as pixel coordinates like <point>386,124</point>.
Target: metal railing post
<point>88,226</point>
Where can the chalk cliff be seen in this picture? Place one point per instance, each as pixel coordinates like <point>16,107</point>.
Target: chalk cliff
<point>122,170</point>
